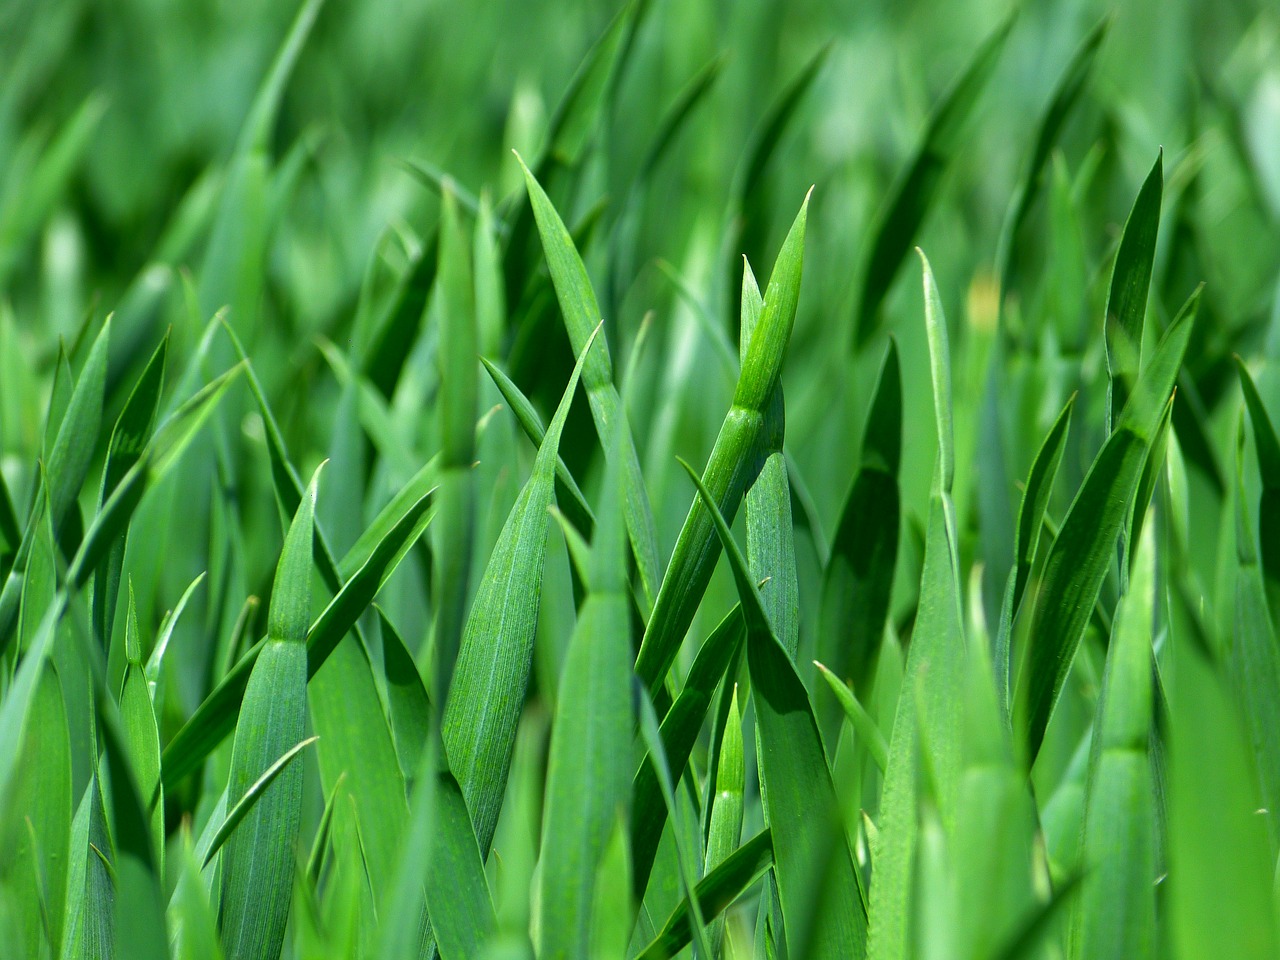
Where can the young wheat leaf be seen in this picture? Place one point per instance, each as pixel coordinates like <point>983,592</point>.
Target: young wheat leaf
<point>730,468</point>
<point>1267,447</point>
<point>141,732</point>
<point>487,696</point>
<point>258,863</point>
<point>864,725</point>
<point>725,832</point>
<point>800,803</point>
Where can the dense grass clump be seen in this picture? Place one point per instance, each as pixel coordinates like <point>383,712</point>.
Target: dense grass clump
<point>786,480</point>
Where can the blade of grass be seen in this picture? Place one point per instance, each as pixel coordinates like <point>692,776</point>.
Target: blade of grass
<point>487,696</point>
<point>1085,546</point>
<point>141,733</point>
<point>258,862</point>
<point>867,730</point>
<point>1267,447</point>
<point>913,194</point>
<point>725,832</point>
<point>730,467</point>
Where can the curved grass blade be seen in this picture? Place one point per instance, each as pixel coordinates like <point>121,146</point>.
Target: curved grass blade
<point>1116,911</point>
<point>245,804</point>
<point>819,889</point>
<point>909,200</point>
<point>587,768</point>
<point>484,705</point>
<point>867,730</point>
<point>141,733</point>
<point>730,467</point>
<point>259,859</point>
<point>407,701</point>
<point>858,579</point>
<point>1078,561</point>
<point>1052,122</point>
<point>1267,447</point>
<point>679,731</point>
<point>581,314</point>
<point>454,532</point>
<point>715,893</point>
<point>771,548</point>
<point>1127,297</point>
<point>457,890</point>
<point>394,532</point>
<point>1031,514</point>
<point>725,831</point>
<point>156,659</point>
<point>66,469</point>
<point>129,438</point>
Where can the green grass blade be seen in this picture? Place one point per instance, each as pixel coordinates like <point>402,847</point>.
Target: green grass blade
<point>1031,513</point>
<point>141,732</point>
<point>858,579</point>
<point>129,438</point>
<point>1066,94</point>
<point>911,197</point>
<point>216,715</point>
<point>821,892</point>
<point>715,892</point>
<point>192,923</point>
<point>1267,447</point>
<point>730,466</point>
<point>581,314</point>
<point>246,803</point>
<point>258,862</point>
<point>1130,281</point>
<point>487,696</point>
<point>457,890</point>
<point>867,730</point>
<point>408,705</point>
<point>725,832</point>
<point>456,358</point>
<point>1085,546</point>
<point>680,728</point>
<point>1116,910</point>
<point>588,764</point>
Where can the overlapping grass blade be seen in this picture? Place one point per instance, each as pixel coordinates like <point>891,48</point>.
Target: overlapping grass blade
<point>1116,910</point>
<point>715,893</point>
<point>1066,94</point>
<point>911,197</point>
<point>487,696</point>
<point>581,314</point>
<point>588,768</point>
<point>731,466</point>
<point>258,862</point>
<point>456,356</point>
<point>1127,297</point>
<point>680,729</point>
<point>1267,447</point>
<point>141,733</point>
<point>926,726</point>
<point>1085,546</point>
<point>725,832</point>
<point>864,726</point>
<point>457,890</point>
<point>858,579</point>
<point>129,438</point>
<point>821,892</point>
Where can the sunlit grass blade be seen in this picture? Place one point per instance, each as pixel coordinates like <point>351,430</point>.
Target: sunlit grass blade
<point>487,696</point>
<point>588,764</point>
<point>258,862</point>
<point>1116,910</point>
<point>858,578</point>
<point>36,823</point>
<point>582,315</point>
<point>251,796</point>
<point>926,725</point>
<point>192,922</point>
<point>912,195</point>
<point>821,892</point>
<point>715,893</point>
<point>1066,94</point>
<point>864,726</point>
<point>1085,546</point>
<point>730,467</point>
<point>771,548</point>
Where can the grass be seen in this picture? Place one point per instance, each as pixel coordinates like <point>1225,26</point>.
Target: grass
<point>897,607</point>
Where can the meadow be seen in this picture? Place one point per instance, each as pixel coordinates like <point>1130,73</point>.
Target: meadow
<point>542,480</point>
